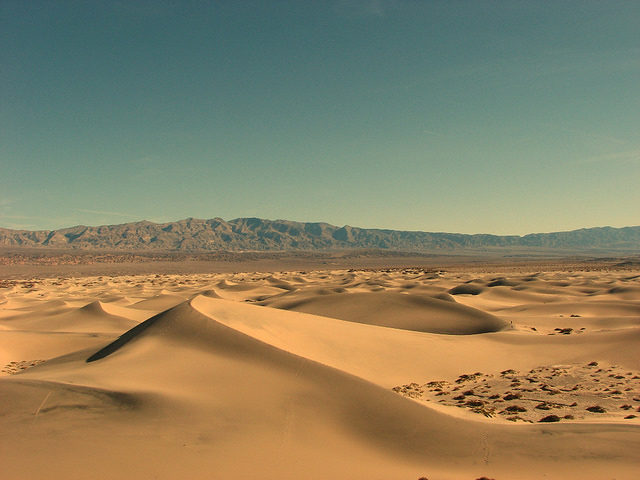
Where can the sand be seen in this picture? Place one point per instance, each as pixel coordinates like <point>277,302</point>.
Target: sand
<point>340,374</point>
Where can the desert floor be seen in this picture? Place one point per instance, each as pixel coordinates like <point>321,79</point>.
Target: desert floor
<point>403,373</point>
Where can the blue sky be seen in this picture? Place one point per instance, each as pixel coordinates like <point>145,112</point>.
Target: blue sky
<point>504,117</point>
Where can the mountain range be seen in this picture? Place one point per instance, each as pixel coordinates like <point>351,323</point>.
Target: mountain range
<point>254,234</point>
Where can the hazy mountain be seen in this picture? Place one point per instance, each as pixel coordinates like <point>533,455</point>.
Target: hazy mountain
<point>257,234</point>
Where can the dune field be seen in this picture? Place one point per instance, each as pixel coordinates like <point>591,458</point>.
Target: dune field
<point>401,373</point>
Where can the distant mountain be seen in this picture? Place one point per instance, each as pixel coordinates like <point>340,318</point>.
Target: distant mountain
<point>241,234</point>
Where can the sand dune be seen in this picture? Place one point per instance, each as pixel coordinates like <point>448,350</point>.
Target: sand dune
<point>421,313</point>
<point>91,318</point>
<point>131,312</point>
<point>158,302</point>
<point>314,375</point>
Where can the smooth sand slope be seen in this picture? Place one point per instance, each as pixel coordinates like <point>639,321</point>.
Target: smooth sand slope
<point>421,313</point>
<point>389,375</point>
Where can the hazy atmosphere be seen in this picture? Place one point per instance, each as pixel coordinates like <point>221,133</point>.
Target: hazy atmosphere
<point>497,117</point>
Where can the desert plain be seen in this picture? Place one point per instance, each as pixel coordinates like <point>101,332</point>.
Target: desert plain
<point>466,372</point>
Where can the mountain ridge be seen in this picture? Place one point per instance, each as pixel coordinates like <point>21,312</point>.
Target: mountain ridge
<point>255,234</point>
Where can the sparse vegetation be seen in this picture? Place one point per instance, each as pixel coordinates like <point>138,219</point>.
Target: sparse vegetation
<point>550,418</point>
<point>596,409</point>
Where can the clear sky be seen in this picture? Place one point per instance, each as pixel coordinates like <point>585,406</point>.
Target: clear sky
<point>504,117</point>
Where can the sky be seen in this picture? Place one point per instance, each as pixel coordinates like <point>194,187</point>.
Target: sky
<point>504,117</point>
